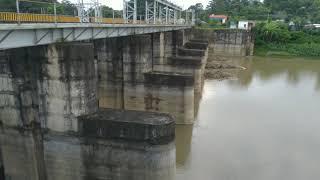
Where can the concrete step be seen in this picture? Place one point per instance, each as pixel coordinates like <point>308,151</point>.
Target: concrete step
<point>199,41</point>
<point>169,79</point>
<point>185,60</point>
<point>135,126</point>
<point>190,52</point>
<point>196,45</point>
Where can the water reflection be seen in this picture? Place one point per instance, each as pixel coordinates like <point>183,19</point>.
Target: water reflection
<point>267,68</point>
<point>183,141</point>
<point>264,125</point>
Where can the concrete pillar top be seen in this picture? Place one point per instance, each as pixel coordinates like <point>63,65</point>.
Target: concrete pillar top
<point>136,126</point>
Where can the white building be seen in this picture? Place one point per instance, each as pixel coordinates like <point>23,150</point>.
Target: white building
<point>248,25</point>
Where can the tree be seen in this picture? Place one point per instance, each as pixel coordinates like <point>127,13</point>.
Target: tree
<point>218,6</point>
<point>198,9</point>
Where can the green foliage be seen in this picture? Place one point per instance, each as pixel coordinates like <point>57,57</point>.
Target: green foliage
<point>293,49</point>
<point>312,49</point>
<point>66,8</point>
<point>7,5</point>
<point>298,11</point>
<point>275,37</point>
<point>272,31</point>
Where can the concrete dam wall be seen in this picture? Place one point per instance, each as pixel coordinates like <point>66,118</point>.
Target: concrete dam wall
<point>102,109</point>
<point>165,79</point>
<point>53,120</point>
<point>227,42</point>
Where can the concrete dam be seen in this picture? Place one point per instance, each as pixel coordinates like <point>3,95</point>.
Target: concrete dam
<point>103,108</point>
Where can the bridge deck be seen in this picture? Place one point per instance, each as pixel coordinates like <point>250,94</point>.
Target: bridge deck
<point>34,34</point>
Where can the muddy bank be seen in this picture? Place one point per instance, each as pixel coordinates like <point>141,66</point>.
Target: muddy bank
<point>220,68</point>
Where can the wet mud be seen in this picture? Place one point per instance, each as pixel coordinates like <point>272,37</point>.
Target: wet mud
<point>220,68</point>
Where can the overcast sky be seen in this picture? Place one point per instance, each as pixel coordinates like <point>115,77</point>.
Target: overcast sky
<point>117,4</point>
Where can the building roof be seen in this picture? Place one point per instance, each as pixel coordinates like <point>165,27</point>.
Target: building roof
<point>218,16</point>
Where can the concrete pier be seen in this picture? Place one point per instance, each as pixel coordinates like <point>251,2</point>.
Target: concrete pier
<point>134,77</point>
<point>50,85</point>
<point>98,109</point>
<point>112,144</point>
<point>227,42</point>
<point>135,126</point>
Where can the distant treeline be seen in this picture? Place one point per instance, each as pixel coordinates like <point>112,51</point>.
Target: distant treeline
<point>298,11</point>
<point>65,7</point>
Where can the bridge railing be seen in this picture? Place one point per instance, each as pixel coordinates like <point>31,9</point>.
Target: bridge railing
<point>11,17</point>
<point>46,12</point>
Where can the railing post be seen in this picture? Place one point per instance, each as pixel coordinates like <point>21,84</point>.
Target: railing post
<point>135,12</point>
<point>125,9</point>
<point>112,16</point>
<point>18,11</point>
<point>167,13</point>
<point>160,14</point>
<point>55,12</point>
<point>155,12</point>
<point>175,17</point>
<point>147,12</point>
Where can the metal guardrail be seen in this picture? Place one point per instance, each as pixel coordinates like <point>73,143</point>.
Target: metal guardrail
<point>34,18</point>
<point>11,17</point>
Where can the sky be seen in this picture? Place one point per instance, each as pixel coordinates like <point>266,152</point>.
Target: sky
<point>117,4</point>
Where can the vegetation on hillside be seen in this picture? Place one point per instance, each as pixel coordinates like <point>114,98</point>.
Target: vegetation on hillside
<point>275,38</point>
<point>64,7</point>
<point>280,25</point>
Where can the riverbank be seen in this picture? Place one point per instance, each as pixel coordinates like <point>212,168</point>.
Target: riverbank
<point>275,38</point>
<point>221,68</point>
<point>290,49</point>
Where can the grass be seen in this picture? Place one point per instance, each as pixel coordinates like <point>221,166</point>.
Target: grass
<point>291,49</point>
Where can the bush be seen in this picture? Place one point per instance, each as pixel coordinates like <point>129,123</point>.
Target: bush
<point>311,49</point>
<point>276,37</point>
<point>272,32</point>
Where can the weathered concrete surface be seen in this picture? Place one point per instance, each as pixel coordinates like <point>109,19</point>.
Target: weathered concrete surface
<point>68,157</point>
<point>172,93</point>
<point>228,42</point>
<point>121,61</point>
<point>2,175</point>
<point>224,47</point>
<point>22,154</point>
<point>73,77</point>
<point>192,59</point>
<point>134,126</point>
<point>50,85</point>
<point>9,104</point>
<point>129,68</point>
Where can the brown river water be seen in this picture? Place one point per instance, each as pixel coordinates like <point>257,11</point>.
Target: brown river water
<point>263,125</point>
